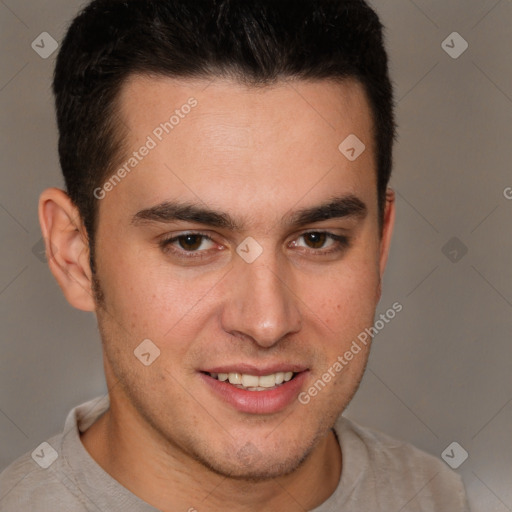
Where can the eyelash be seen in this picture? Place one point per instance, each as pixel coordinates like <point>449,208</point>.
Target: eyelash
<point>342,243</point>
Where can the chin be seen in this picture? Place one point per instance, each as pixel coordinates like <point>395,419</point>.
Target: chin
<point>250,464</point>
<point>260,471</point>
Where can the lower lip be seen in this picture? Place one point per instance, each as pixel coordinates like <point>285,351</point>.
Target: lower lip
<point>257,402</point>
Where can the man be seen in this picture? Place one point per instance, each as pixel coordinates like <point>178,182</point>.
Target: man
<point>227,218</point>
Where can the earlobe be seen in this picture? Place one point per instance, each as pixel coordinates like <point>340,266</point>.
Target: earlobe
<point>67,247</point>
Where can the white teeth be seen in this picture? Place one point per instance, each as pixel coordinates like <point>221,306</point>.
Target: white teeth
<point>250,381</point>
<point>235,378</point>
<point>267,381</point>
<point>254,382</point>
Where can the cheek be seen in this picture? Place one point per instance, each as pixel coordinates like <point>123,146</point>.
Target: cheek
<point>151,299</point>
<point>345,298</point>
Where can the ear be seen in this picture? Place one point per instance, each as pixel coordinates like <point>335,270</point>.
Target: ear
<point>67,247</point>
<point>387,231</point>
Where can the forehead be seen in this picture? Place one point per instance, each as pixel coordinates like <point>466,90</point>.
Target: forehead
<point>324,105</point>
<point>235,146</point>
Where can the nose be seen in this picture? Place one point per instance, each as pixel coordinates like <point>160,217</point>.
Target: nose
<point>261,304</point>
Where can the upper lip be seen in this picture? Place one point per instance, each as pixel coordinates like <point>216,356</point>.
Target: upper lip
<point>259,371</point>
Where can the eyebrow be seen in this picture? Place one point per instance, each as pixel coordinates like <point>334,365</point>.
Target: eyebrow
<point>167,212</point>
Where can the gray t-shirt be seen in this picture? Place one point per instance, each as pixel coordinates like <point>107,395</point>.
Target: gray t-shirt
<point>379,474</point>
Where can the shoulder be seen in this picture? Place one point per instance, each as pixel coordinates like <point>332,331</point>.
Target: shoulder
<point>37,481</point>
<point>400,472</point>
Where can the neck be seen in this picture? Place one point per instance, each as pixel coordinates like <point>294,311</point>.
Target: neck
<point>168,479</point>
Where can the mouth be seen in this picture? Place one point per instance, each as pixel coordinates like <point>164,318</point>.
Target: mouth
<point>256,390</point>
<point>253,382</point>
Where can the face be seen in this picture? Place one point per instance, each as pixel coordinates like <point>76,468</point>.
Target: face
<point>246,246</point>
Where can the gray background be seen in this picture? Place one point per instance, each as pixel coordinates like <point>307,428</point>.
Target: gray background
<point>441,370</point>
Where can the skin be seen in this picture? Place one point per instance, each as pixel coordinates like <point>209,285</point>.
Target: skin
<point>257,154</point>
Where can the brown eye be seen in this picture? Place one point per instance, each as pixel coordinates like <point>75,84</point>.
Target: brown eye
<point>321,243</point>
<point>315,240</point>
<point>189,245</point>
<point>190,242</point>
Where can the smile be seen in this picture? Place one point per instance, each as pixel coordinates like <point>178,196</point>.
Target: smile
<point>254,382</point>
<point>256,390</point>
